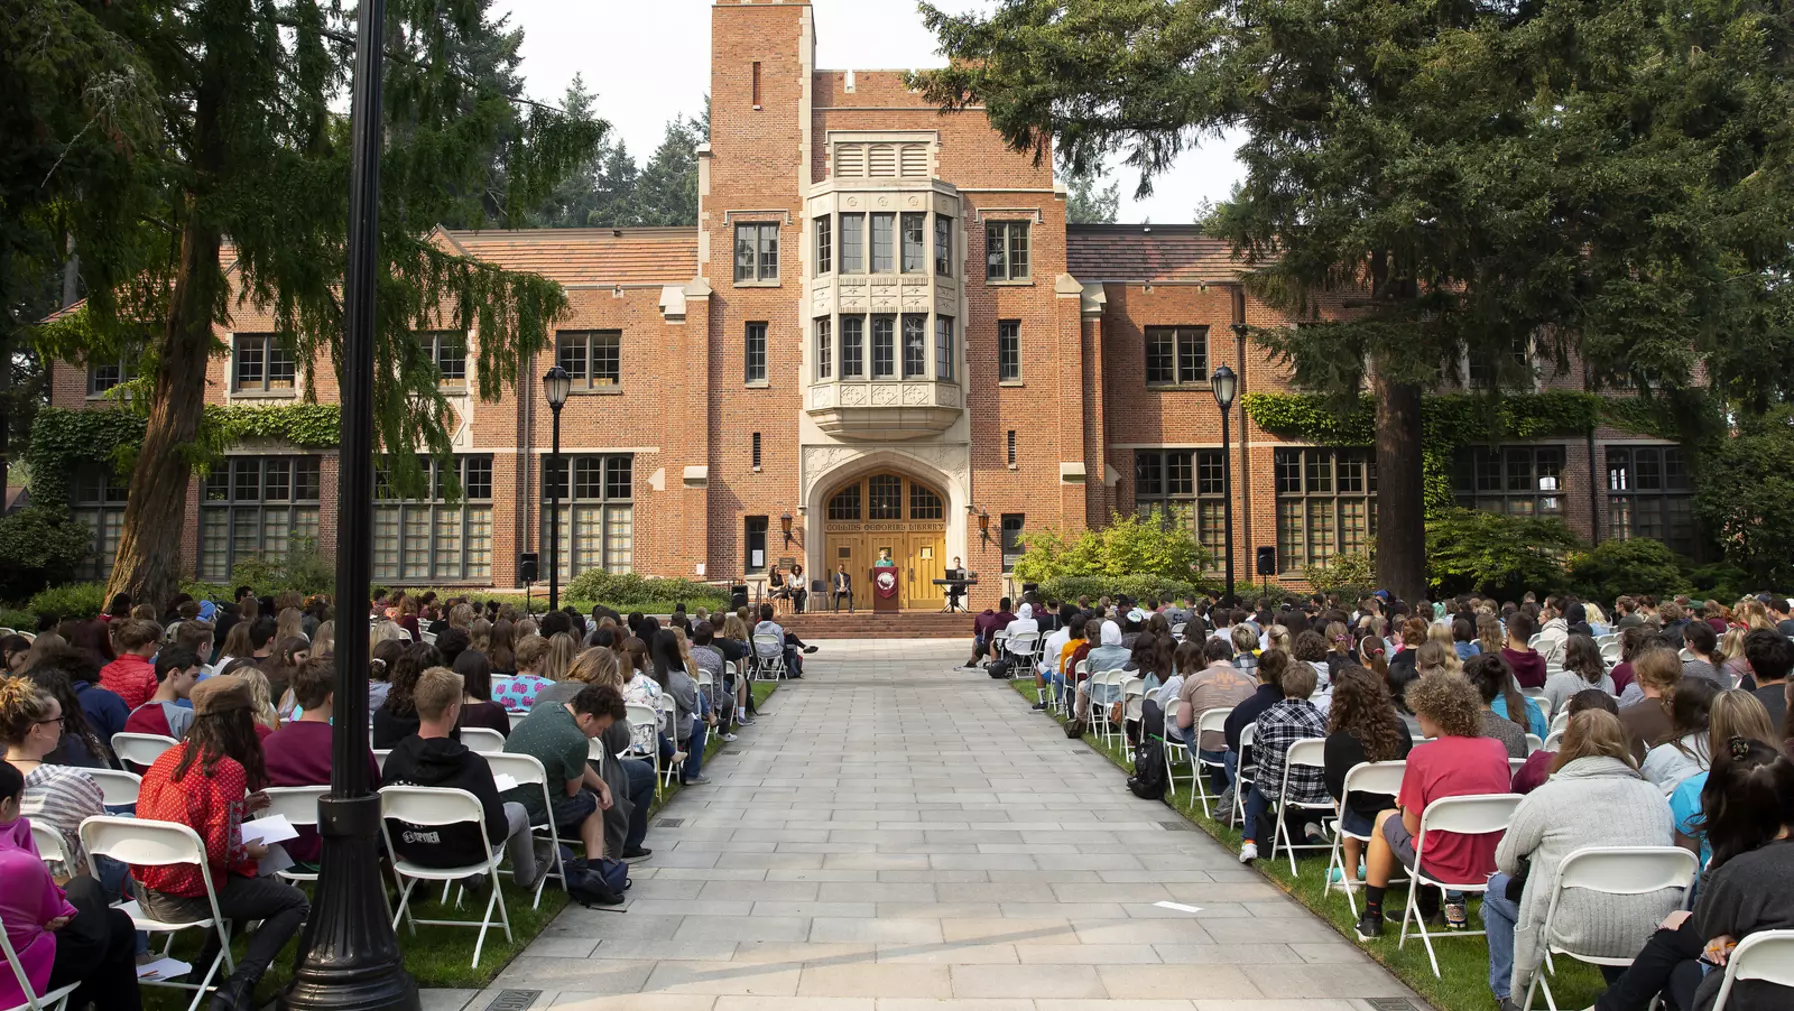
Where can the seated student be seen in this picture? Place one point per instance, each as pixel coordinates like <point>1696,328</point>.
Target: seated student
<point>1595,797</point>
<point>57,796</point>
<point>1734,713</point>
<point>1459,762</point>
<point>985,628</point>
<point>179,671</point>
<point>64,935</point>
<point>518,692</point>
<point>204,783</point>
<point>1526,663</point>
<point>1219,685</point>
<point>1748,886</point>
<point>1533,774</point>
<point>1282,725</point>
<point>478,709</point>
<point>431,757</point>
<point>1657,671</point>
<point>131,677</point>
<point>1684,752</point>
<point>102,713</point>
<point>559,736</point>
<point>1583,669</point>
<point>299,754</point>
<point>1490,676</point>
<point>1771,657</point>
<point>631,779</point>
<point>397,719</point>
<point>794,665</point>
<point>1361,727</point>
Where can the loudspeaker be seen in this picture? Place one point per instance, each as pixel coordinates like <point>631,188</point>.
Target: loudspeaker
<point>1028,588</point>
<point>738,596</point>
<point>1267,561</point>
<point>526,567</point>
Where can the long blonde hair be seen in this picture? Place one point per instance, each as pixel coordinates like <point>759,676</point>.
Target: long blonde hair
<point>290,624</point>
<point>1434,658</point>
<point>597,666</point>
<point>1594,733</point>
<point>261,691</point>
<point>383,630</point>
<point>561,651</point>
<point>324,643</point>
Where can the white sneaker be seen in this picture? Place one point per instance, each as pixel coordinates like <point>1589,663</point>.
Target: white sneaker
<point>1248,853</point>
<point>728,737</point>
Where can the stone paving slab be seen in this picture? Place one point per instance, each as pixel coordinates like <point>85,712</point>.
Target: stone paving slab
<point>895,835</point>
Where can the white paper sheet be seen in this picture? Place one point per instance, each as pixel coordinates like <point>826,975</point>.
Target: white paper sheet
<point>269,830</point>
<point>163,969</point>
<point>504,782</point>
<point>276,861</point>
<point>1180,907</point>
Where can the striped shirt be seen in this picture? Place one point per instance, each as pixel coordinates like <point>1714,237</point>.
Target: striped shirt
<point>61,796</point>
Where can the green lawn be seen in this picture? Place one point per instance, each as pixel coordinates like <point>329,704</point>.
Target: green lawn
<point>436,956</point>
<point>1463,961</point>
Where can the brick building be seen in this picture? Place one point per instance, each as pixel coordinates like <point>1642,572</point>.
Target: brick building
<point>882,333</point>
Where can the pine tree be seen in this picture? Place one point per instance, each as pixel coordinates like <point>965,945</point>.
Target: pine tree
<point>248,146</point>
<point>1087,205</point>
<point>1610,181</point>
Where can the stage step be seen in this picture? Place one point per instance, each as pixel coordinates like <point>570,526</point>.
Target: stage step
<point>824,625</point>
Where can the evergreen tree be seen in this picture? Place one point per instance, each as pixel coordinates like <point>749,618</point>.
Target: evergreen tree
<point>668,188</point>
<point>1606,180</point>
<point>221,125</point>
<point>1087,205</point>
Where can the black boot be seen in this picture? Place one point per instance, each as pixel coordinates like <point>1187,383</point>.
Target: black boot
<point>235,994</point>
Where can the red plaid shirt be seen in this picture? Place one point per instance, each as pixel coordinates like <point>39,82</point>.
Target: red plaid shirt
<point>211,805</point>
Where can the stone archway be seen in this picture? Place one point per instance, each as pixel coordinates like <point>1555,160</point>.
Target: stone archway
<point>868,514</point>
<point>942,470</point>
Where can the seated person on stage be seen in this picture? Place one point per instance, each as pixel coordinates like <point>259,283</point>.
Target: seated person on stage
<point>431,757</point>
<point>559,736</point>
<point>797,587</point>
<point>841,585</point>
<point>955,590</point>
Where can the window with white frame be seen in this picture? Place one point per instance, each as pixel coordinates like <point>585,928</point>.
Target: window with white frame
<point>262,365</point>
<point>915,346</point>
<point>756,252</point>
<point>256,507</point>
<point>825,364</point>
<point>597,516</point>
<point>943,348</point>
<point>1006,251</point>
<point>884,347</point>
<point>943,244</point>
<point>103,377</point>
<point>755,353</point>
<point>448,351</point>
<point>853,347</point>
<point>884,243</point>
<point>824,245</point>
<point>593,359</point>
<point>915,243</point>
<point>440,536</point>
<point>853,243</point>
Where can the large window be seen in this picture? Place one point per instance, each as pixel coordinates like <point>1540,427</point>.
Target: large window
<point>104,376</point>
<point>915,243</point>
<point>449,351</point>
<point>432,538</point>
<point>1006,251</point>
<point>853,347</point>
<point>755,353</point>
<point>824,245</point>
<point>845,505</point>
<point>1517,480</point>
<point>256,507</point>
<point>592,359</point>
<point>943,244</point>
<point>98,501</point>
<point>853,243</point>
<point>1009,351</point>
<point>1326,504</point>
<point>825,363</point>
<point>915,346</point>
<point>1013,548</point>
<point>943,348</point>
<point>1176,355</point>
<point>597,516</point>
<point>756,252</point>
<point>924,504</point>
<point>884,243</point>
<point>262,365</point>
<point>1649,495</point>
<point>884,347</point>
<point>1183,488</point>
<point>884,493</point>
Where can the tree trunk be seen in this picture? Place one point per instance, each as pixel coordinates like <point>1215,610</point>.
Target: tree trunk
<point>149,548</point>
<point>1401,504</point>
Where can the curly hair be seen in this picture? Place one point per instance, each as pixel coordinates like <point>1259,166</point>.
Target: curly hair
<point>1362,708</point>
<point>403,674</point>
<point>23,705</point>
<point>1448,701</point>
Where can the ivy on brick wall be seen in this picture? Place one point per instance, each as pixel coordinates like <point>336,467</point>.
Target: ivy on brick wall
<point>63,440</point>
<point>1448,422</point>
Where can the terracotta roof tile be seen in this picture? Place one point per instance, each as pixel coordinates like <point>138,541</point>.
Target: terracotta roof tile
<point>1147,253</point>
<point>590,255</point>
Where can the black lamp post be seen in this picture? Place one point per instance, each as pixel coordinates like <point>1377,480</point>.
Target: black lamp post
<point>351,959</point>
<point>1225,384</point>
<point>557,384</point>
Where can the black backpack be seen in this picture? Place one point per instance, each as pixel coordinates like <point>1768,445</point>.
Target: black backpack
<point>602,884</point>
<point>1148,780</point>
<point>1000,669</point>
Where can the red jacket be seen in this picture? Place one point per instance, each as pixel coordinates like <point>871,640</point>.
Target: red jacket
<point>211,805</point>
<point>131,678</point>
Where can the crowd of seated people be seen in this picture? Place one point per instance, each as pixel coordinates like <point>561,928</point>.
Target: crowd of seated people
<point>1667,725</point>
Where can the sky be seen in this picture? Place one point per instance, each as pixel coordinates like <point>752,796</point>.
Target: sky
<point>650,61</point>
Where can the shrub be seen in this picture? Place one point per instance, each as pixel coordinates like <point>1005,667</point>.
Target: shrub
<point>627,591</point>
<point>1721,581</point>
<point>303,569</point>
<point>1128,546</point>
<point>1633,567</point>
<point>70,600</point>
<point>1471,551</point>
<point>19,621</point>
<point>1138,587</point>
<point>37,546</point>
<point>1352,575</point>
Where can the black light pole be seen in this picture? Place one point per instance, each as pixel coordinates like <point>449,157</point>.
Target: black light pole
<point>351,959</point>
<point>1225,383</point>
<point>557,384</point>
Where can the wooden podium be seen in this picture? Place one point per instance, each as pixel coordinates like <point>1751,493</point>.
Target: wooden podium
<point>886,582</point>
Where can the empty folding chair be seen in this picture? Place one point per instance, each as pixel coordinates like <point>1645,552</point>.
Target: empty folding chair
<point>117,788</point>
<point>1533,743</point>
<point>299,805</point>
<point>49,1000</point>
<point>1476,814</point>
<point>1311,754</point>
<point>436,807</point>
<point>528,772</point>
<point>1613,870</point>
<point>1767,955</point>
<point>1379,778</point>
<point>145,843</point>
<point>483,740</point>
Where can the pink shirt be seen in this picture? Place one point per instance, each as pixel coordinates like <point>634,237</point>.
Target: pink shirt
<point>29,900</point>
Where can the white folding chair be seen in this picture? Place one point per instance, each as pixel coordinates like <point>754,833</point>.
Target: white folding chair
<point>1615,870</point>
<point>516,716</point>
<point>429,637</point>
<point>1022,650</point>
<point>300,806</point>
<point>769,656</point>
<point>117,788</point>
<point>1211,719</point>
<point>1104,690</point>
<point>429,806</point>
<point>145,843</point>
<point>1767,955</point>
<point>1556,738</point>
<point>669,718</point>
<point>1611,652</point>
<point>53,848</point>
<point>1533,743</point>
<point>999,645</point>
<point>50,1000</point>
<point>640,715</point>
<point>1381,778</point>
<point>1244,775</point>
<point>1308,753</point>
<point>141,750</point>
<point>1560,722</point>
<point>482,740</point>
<point>1067,702</point>
<point>527,771</point>
<point>1475,814</point>
<point>1541,698</point>
<point>380,758</point>
<point>1514,765</point>
<point>1173,746</point>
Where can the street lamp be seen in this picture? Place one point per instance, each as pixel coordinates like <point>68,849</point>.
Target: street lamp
<point>984,524</point>
<point>351,959</point>
<point>785,526</point>
<point>557,384</point>
<point>1225,384</point>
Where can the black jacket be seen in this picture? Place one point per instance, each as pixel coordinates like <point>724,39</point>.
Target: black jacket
<point>439,761</point>
<point>1248,712</point>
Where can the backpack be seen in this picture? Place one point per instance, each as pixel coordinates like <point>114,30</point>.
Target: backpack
<point>1000,669</point>
<point>1148,780</point>
<point>600,884</point>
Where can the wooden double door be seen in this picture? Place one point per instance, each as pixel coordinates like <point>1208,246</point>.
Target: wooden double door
<point>893,511</point>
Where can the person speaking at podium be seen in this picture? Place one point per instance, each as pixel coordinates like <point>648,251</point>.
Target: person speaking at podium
<point>884,559</point>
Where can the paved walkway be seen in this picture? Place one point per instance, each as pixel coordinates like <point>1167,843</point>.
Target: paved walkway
<point>894,836</point>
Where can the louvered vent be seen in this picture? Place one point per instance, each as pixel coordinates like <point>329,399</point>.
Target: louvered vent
<point>850,161</point>
<point>882,160</point>
<point>915,161</point>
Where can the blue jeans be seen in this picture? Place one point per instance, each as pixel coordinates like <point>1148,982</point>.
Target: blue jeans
<point>1218,776</point>
<point>1257,806</point>
<point>1499,914</point>
<point>1232,766</point>
<point>641,797</point>
<point>694,748</point>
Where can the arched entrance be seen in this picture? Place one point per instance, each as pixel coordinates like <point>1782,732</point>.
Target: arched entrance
<point>885,509</point>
